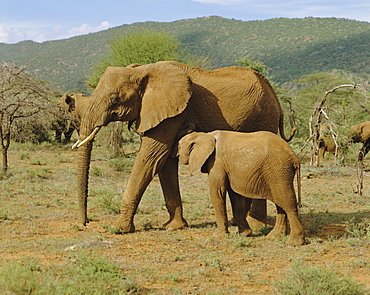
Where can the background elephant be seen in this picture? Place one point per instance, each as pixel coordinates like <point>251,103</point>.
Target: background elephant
<point>326,141</point>
<point>159,98</point>
<point>328,145</point>
<point>361,133</point>
<point>72,106</point>
<point>258,165</point>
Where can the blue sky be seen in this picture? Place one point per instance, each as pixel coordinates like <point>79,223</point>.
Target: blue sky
<point>42,20</point>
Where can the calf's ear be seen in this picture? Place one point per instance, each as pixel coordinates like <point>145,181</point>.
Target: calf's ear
<point>202,148</point>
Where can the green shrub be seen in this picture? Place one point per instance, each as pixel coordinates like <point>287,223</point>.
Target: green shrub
<point>83,274</point>
<point>122,164</point>
<point>24,278</point>
<point>105,199</point>
<point>302,279</point>
<point>358,229</point>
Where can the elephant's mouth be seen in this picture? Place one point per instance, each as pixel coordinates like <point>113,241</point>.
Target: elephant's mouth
<point>87,139</point>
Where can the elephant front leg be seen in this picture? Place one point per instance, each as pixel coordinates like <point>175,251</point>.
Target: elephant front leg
<point>364,150</point>
<point>168,177</point>
<point>145,167</point>
<point>137,183</point>
<point>217,192</point>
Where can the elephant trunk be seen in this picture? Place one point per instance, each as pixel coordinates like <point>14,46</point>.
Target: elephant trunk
<point>83,167</point>
<point>84,155</point>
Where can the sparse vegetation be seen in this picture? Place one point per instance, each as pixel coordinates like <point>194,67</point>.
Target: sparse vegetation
<point>82,273</point>
<point>303,279</point>
<point>38,218</point>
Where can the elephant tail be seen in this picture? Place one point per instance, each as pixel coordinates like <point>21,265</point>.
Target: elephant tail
<point>281,128</point>
<point>299,184</point>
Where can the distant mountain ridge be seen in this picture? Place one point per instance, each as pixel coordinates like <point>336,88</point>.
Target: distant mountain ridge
<point>289,47</point>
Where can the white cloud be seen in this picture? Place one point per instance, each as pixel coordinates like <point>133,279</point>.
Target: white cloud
<point>26,32</point>
<point>56,32</point>
<point>86,28</point>
<point>11,35</point>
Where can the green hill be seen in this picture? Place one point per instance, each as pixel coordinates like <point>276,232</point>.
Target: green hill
<point>289,47</point>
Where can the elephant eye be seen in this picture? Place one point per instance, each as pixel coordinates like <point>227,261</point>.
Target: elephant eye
<point>191,146</point>
<point>114,99</point>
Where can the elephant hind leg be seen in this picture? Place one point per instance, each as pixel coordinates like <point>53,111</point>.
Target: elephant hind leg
<point>240,207</point>
<point>288,211</point>
<point>297,234</point>
<point>281,225</point>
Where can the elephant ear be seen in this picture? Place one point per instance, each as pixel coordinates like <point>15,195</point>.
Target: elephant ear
<point>195,149</point>
<point>167,91</point>
<point>365,131</point>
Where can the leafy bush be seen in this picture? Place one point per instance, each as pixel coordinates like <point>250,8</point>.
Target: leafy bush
<point>122,164</point>
<point>358,229</point>
<point>302,279</point>
<point>104,199</point>
<point>24,278</point>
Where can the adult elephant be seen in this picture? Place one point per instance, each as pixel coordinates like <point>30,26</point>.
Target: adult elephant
<point>361,133</point>
<point>72,106</point>
<point>159,98</point>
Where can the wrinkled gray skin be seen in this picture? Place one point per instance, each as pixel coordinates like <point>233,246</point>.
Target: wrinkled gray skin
<point>159,98</point>
<point>257,165</point>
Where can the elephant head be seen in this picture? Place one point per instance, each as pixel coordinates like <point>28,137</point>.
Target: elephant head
<point>140,94</point>
<point>195,149</point>
<point>73,107</point>
<point>76,104</point>
<point>360,132</point>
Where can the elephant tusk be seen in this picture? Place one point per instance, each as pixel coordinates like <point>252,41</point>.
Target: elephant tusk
<point>76,144</point>
<point>89,138</point>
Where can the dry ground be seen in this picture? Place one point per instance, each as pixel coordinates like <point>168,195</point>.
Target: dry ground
<point>38,218</point>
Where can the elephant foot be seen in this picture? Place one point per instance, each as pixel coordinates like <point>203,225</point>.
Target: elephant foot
<point>274,235</point>
<point>232,222</point>
<point>296,240</point>
<point>245,232</point>
<point>123,227</point>
<point>175,224</point>
<point>255,224</point>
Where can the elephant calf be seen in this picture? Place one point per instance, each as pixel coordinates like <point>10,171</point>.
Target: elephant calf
<point>258,165</point>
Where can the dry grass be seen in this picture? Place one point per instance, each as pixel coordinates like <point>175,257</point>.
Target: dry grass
<point>38,218</point>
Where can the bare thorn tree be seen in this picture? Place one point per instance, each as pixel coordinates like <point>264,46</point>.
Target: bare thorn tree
<point>21,96</point>
<point>315,121</point>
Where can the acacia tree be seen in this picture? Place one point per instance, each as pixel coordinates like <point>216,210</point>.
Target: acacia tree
<point>21,96</point>
<point>256,65</point>
<point>142,47</point>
